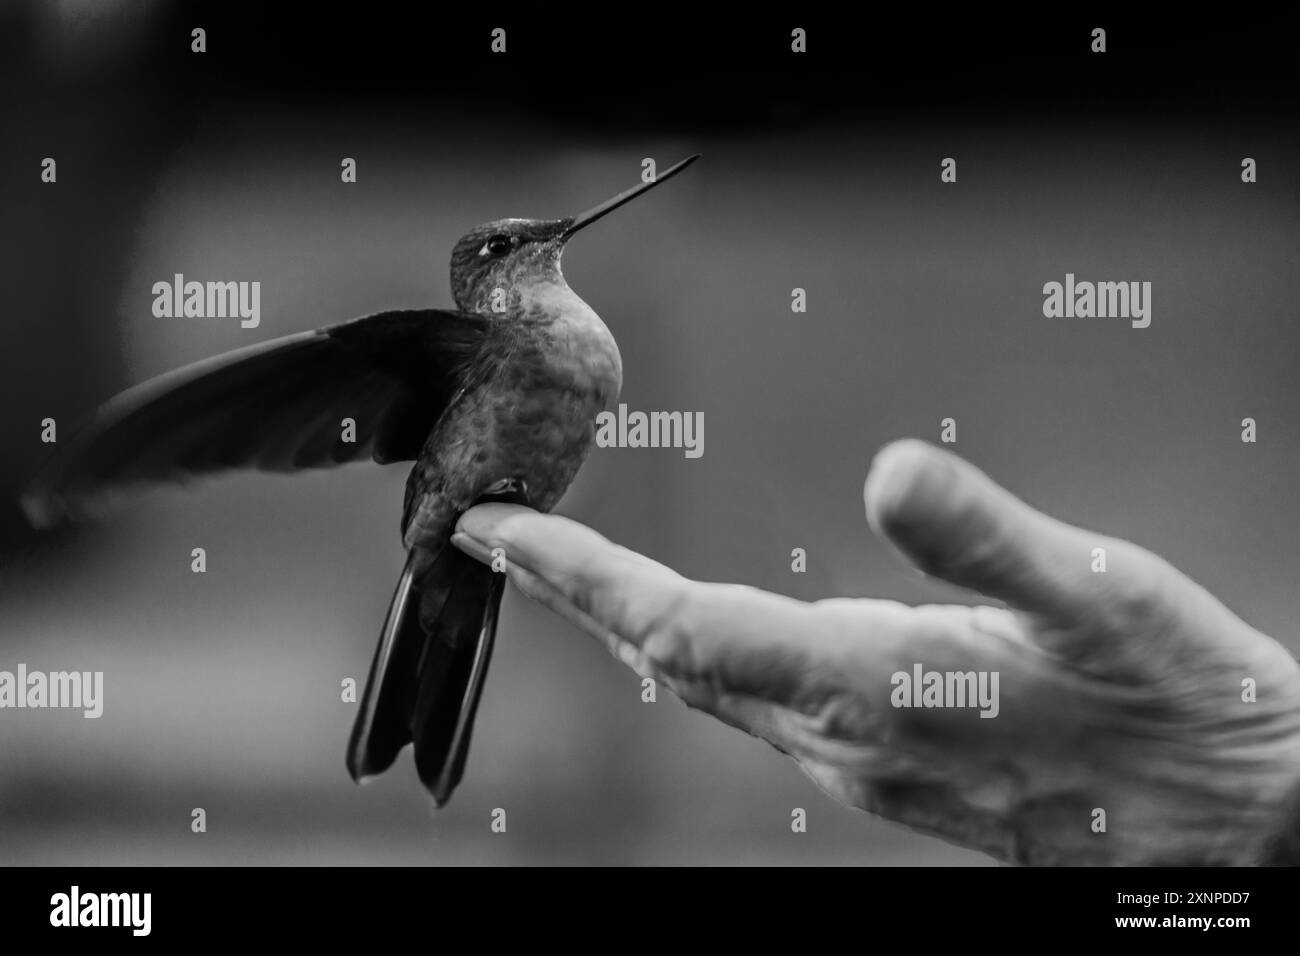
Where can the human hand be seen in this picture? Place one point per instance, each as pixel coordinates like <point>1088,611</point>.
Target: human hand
<point>1119,691</point>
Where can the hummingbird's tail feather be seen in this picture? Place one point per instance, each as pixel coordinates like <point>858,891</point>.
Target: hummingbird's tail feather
<point>381,729</point>
<point>451,675</point>
<point>428,669</point>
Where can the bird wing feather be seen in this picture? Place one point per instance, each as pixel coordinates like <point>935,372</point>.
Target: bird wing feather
<point>276,406</point>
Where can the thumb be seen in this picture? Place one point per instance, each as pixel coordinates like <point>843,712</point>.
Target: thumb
<point>952,521</point>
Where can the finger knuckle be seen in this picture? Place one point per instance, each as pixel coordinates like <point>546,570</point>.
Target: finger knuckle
<point>667,638</point>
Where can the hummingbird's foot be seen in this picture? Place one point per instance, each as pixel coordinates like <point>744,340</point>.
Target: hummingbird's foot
<point>512,490</point>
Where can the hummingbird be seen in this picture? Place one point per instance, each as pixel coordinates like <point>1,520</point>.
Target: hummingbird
<point>494,400</point>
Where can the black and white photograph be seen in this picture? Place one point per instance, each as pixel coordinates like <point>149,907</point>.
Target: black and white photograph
<point>647,438</point>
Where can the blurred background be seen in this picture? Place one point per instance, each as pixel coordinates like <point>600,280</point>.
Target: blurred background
<point>222,690</point>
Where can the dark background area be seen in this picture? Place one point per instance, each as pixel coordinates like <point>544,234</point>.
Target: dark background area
<point>819,171</point>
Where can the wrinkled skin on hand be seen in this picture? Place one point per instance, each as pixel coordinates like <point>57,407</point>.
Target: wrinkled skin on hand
<point>1119,692</point>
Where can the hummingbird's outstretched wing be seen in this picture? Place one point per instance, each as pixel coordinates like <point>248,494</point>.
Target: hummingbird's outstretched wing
<point>276,406</point>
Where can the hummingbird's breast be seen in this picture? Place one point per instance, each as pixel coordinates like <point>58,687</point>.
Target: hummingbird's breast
<point>575,345</point>
<point>533,417</point>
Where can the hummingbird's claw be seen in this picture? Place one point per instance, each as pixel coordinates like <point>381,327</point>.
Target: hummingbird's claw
<point>513,490</point>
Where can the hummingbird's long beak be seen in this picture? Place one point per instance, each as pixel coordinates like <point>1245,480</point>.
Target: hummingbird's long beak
<point>582,220</point>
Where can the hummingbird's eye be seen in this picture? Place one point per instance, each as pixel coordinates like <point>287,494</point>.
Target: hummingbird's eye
<point>496,246</point>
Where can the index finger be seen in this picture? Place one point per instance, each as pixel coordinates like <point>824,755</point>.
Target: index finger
<point>705,639</point>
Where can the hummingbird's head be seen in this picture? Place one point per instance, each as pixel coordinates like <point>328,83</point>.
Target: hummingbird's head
<point>492,263</point>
